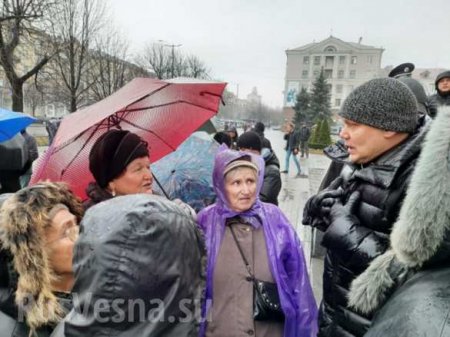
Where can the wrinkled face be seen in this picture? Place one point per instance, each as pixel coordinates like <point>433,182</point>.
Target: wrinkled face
<point>364,143</point>
<point>444,84</point>
<point>240,188</point>
<point>60,240</point>
<point>137,178</point>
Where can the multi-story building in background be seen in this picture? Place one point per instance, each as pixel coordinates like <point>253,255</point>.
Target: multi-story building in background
<point>345,64</point>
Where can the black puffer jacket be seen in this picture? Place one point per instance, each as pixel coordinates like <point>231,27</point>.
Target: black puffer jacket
<point>382,185</point>
<point>272,180</point>
<point>143,257</point>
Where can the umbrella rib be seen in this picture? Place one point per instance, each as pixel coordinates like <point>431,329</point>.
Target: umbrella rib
<point>149,131</point>
<point>81,149</point>
<point>171,103</point>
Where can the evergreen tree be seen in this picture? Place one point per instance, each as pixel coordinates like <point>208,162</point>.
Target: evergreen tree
<point>315,134</point>
<point>301,108</point>
<point>320,98</point>
<point>324,138</point>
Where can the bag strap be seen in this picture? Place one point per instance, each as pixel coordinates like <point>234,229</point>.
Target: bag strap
<point>247,265</point>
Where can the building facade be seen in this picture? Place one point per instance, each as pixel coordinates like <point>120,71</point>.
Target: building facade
<point>345,64</point>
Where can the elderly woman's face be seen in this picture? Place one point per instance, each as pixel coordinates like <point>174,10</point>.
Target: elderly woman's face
<point>60,241</point>
<point>240,188</point>
<point>137,178</point>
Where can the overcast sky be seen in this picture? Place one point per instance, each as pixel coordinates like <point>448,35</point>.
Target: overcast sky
<point>243,42</point>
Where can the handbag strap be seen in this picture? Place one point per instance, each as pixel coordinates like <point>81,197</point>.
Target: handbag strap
<point>247,265</point>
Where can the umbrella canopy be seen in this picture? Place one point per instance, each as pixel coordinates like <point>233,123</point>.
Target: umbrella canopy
<point>161,112</point>
<point>186,174</point>
<point>12,122</point>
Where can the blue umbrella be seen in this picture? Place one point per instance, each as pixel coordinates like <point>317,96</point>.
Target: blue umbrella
<point>186,173</point>
<point>12,122</point>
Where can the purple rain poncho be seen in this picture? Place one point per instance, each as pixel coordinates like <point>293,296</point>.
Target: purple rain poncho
<point>284,249</point>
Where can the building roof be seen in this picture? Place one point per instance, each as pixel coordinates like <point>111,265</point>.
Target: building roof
<point>334,40</point>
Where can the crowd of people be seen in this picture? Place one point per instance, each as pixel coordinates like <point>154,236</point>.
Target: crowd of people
<point>128,262</point>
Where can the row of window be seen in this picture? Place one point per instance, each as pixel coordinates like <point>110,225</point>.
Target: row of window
<point>329,60</point>
<point>329,73</point>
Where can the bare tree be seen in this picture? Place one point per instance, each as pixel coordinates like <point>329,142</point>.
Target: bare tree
<point>166,62</point>
<point>110,68</point>
<point>76,26</point>
<point>33,96</point>
<point>22,23</point>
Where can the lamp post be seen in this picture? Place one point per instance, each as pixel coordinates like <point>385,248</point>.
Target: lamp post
<point>173,46</point>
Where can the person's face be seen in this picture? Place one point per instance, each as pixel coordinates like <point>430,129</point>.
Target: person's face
<point>240,188</point>
<point>232,134</point>
<point>364,143</point>
<point>137,178</point>
<point>60,240</point>
<point>444,84</point>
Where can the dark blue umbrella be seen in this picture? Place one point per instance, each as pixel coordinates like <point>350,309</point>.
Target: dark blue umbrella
<point>186,174</point>
<point>12,122</point>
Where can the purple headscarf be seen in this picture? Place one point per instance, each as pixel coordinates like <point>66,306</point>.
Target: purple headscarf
<point>284,250</point>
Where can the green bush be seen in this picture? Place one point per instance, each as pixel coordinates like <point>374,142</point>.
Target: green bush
<point>321,137</point>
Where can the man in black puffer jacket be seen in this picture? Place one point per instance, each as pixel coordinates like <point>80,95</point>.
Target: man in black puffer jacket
<point>383,134</point>
<point>442,95</point>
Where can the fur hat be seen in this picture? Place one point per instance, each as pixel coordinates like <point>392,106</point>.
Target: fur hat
<point>249,140</point>
<point>383,103</point>
<point>112,152</point>
<point>23,219</point>
<point>422,230</point>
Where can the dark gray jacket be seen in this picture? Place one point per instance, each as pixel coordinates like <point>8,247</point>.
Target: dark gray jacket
<point>272,180</point>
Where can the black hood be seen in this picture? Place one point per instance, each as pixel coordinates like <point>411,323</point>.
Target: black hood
<point>138,254</point>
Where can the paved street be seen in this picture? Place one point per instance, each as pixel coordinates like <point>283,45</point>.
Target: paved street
<point>293,196</point>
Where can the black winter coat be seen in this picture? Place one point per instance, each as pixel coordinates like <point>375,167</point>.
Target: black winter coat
<point>292,140</point>
<point>272,180</point>
<point>420,308</point>
<point>382,185</point>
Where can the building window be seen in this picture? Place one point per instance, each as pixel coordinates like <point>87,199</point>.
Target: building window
<point>353,60</point>
<point>341,60</point>
<point>328,73</point>
<point>337,102</point>
<point>370,59</point>
<point>329,60</point>
<point>330,49</point>
<point>316,60</point>
<point>330,88</point>
<point>305,74</point>
<point>305,59</point>
<point>316,73</point>
<point>339,89</point>
<point>340,74</point>
<point>352,73</point>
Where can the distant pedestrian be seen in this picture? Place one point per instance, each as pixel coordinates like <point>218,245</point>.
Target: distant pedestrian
<point>259,129</point>
<point>33,154</point>
<point>222,137</point>
<point>304,134</point>
<point>251,142</point>
<point>292,141</point>
<point>442,95</point>
<point>232,132</point>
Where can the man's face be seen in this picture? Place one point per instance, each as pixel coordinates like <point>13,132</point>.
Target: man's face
<point>364,143</point>
<point>444,84</point>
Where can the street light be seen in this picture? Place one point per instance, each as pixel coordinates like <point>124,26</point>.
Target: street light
<point>173,46</point>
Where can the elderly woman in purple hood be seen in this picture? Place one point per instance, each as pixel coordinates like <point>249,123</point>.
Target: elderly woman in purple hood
<point>249,241</point>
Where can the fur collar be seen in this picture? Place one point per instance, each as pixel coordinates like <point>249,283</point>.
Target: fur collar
<point>423,226</point>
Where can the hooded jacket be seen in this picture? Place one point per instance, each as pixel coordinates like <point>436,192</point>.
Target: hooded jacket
<point>284,250</point>
<point>138,267</point>
<point>441,98</point>
<point>382,186</point>
<point>26,272</point>
<point>413,275</point>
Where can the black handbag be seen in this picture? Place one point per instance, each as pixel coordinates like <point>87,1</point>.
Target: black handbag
<point>266,301</point>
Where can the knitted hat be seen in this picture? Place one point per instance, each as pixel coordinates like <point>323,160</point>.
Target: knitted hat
<point>383,103</point>
<point>243,162</point>
<point>249,140</point>
<point>112,152</point>
<point>441,76</point>
<point>259,127</point>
